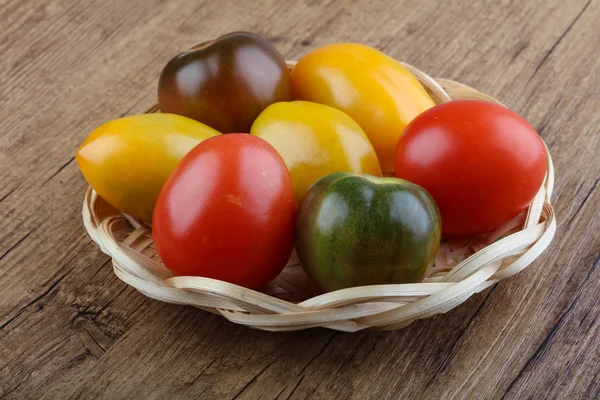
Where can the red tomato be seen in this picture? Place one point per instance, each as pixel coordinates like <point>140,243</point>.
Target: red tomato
<point>227,212</point>
<point>481,162</point>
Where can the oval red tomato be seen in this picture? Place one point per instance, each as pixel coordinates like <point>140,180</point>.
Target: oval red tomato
<point>481,162</point>
<point>227,212</point>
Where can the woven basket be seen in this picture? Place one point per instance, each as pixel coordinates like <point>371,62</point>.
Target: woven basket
<point>463,266</point>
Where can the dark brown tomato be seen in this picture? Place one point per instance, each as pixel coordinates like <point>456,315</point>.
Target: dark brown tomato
<point>225,83</point>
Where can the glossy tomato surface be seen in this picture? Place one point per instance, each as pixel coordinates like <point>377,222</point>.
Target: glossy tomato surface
<point>128,160</point>
<point>315,140</point>
<point>371,87</point>
<point>227,212</point>
<point>225,83</point>
<point>481,162</point>
<point>356,230</point>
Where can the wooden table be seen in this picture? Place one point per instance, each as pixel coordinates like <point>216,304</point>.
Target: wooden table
<point>70,329</point>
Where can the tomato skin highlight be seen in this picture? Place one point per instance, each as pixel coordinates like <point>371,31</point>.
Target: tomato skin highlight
<point>481,162</point>
<point>128,160</point>
<point>227,212</point>
<point>375,90</point>
<point>355,230</point>
<point>225,83</point>
<point>315,140</point>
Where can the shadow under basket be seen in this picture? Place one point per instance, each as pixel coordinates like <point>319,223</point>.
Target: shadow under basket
<point>463,266</point>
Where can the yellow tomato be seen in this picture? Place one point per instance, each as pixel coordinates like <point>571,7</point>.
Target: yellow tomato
<point>315,140</point>
<point>371,87</point>
<point>128,160</point>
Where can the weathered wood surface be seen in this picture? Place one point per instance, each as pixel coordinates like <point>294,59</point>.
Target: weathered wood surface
<point>70,329</point>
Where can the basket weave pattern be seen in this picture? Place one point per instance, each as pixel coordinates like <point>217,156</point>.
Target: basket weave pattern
<point>463,266</point>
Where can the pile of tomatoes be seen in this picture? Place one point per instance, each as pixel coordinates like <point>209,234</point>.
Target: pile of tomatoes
<point>345,157</point>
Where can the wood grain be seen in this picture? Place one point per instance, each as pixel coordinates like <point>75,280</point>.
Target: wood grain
<point>70,329</point>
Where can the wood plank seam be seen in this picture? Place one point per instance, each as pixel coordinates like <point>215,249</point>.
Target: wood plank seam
<point>462,332</point>
<point>557,42</point>
<point>530,363</point>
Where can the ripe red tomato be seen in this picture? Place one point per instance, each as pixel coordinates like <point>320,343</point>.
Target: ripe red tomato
<point>481,162</point>
<point>227,212</point>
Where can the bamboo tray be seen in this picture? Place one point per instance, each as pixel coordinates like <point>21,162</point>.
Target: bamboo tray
<point>463,266</point>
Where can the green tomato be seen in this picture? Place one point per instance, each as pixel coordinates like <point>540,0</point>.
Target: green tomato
<point>356,230</point>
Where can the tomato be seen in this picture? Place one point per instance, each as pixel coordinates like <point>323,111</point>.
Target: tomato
<point>355,230</point>
<point>127,160</point>
<point>371,87</point>
<point>481,162</point>
<point>315,140</point>
<point>227,212</point>
<point>225,83</point>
